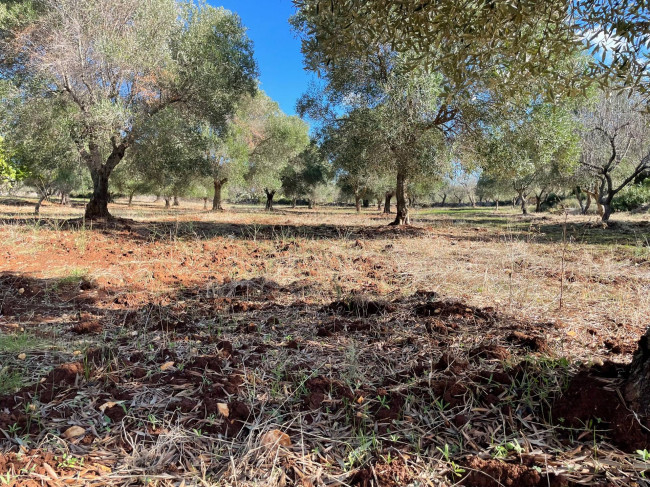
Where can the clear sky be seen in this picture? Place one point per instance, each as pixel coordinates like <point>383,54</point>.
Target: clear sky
<point>277,51</point>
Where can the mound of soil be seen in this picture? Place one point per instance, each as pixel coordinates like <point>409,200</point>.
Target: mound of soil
<point>321,388</point>
<point>393,474</point>
<point>337,326</point>
<point>359,307</point>
<point>452,309</point>
<point>531,342</point>
<point>496,473</point>
<point>589,398</point>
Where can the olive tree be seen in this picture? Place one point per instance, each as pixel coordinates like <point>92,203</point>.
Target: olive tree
<point>615,146</point>
<point>117,66</point>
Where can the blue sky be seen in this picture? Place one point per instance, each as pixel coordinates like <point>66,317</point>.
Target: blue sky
<point>276,49</point>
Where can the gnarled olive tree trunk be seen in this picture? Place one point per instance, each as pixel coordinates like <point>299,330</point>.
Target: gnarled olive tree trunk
<point>387,197</point>
<point>100,172</point>
<point>637,385</point>
<point>216,201</point>
<point>269,199</point>
<point>402,211</point>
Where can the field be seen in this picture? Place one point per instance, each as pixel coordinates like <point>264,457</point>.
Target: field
<point>319,347</point>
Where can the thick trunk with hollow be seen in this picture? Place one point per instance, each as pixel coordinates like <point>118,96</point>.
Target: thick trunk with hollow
<point>216,200</point>
<point>97,207</point>
<point>637,385</point>
<point>269,199</point>
<point>387,197</point>
<point>402,217</point>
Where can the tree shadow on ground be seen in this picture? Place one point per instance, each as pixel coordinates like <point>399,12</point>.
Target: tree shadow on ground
<point>183,357</point>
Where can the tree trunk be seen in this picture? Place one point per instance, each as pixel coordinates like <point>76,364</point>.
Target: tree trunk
<point>538,204</point>
<point>444,199</point>
<point>496,203</point>
<point>366,203</point>
<point>357,204</point>
<point>310,204</point>
<point>269,199</point>
<point>205,202</point>
<point>293,202</point>
<point>97,207</point>
<point>524,208</point>
<point>402,210</point>
<point>388,197</point>
<point>606,210</point>
<point>637,385</point>
<point>378,204</point>
<point>65,198</point>
<point>216,201</point>
<point>587,204</point>
<point>176,203</point>
<point>130,199</point>
<point>37,208</point>
<point>167,201</point>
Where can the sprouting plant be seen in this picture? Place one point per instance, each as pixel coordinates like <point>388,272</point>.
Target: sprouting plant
<point>68,461</point>
<point>197,432</point>
<point>153,420</point>
<point>644,455</point>
<point>6,479</point>
<point>446,453</point>
<point>13,429</point>
<point>383,401</point>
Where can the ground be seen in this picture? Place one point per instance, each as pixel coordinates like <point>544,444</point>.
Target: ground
<point>319,347</point>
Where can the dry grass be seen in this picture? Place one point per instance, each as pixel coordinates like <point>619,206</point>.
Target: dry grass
<point>176,285</point>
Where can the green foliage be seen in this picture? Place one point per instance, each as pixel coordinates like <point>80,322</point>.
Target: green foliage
<point>304,172</point>
<point>632,197</point>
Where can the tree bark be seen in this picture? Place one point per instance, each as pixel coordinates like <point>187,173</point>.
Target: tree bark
<point>216,201</point>
<point>388,196</point>
<point>357,203</point>
<point>444,199</point>
<point>524,208</point>
<point>176,203</point>
<point>293,202</point>
<point>37,208</point>
<point>496,203</point>
<point>167,202</point>
<point>538,204</point>
<point>637,385</point>
<point>310,204</point>
<point>97,207</point>
<point>378,203</point>
<point>130,199</point>
<point>402,210</point>
<point>269,199</point>
<point>65,198</point>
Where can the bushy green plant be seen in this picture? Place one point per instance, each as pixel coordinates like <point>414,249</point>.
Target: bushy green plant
<point>632,197</point>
